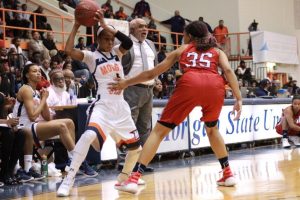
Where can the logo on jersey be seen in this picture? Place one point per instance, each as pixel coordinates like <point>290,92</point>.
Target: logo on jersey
<point>109,67</point>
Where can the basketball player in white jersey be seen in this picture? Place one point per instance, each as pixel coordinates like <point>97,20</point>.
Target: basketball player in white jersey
<point>109,113</point>
<point>33,112</point>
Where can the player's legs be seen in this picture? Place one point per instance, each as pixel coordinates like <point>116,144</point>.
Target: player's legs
<point>80,151</point>
<point>147,154</point>
<point>63,127</point>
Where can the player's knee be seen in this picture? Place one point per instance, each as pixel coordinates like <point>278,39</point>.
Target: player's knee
<point>89,136</point>
<point>211,124</point>
<point>132,146</point>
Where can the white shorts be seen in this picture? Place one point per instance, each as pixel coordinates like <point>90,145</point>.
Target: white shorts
<point>112,117</point>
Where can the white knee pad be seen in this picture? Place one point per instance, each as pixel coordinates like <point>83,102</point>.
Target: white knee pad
<point>89,136</point>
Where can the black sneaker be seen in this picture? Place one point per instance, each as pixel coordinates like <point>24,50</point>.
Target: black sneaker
<point>35,175</point>
<point>87,170</point>
<point>22,176</point>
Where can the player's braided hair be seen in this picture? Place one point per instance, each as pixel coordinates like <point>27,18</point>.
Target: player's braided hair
<point>203,39</point>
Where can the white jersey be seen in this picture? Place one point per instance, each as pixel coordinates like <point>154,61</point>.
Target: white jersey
<point>109,114</point>
<point>20,111</point>
<point>105,66</point>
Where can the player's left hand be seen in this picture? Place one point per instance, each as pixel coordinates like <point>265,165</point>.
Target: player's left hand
<point>237,109</point>
<point>119,84</point>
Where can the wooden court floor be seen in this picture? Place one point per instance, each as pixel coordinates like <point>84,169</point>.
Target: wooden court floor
<point>262,173</point>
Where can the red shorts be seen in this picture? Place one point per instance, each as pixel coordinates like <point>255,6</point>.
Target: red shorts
<point>291,132</point>
<point>195,89</point>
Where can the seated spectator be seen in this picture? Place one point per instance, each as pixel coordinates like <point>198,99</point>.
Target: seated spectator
<point>262,89</point>
<point>168,85</point>
<point>88,89</point>
<point>108,13</point>
<point>161,54</point>
<point>157,89</point>
<point>80,44</point>
<point>15,44</point>
<point>11,142</point>
<point>142,9</point>
<point>72,86</point>
<point>61,6</point>
<point>17,22</point>
<point>45,69</point>
<point>120,14</point>
<point>289,126</point>
<point>35,45</point>
<point>67,65</point>
<point>49,42</point>
<point>41,21</point>
<point>58,96</point>
<point>153,35</point>
<point>7,80</point>
<point>243,72</point>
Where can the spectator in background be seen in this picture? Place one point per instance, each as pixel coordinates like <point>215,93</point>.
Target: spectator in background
<point>61,6</point>
<point>17,21</point>
<point>49,42</point>
<point>45,69</point>
<point>35,45</point>
<point>7,80</point>
<point>252,27</point>
<point>120,14</point>
<point>88,89</point>
<point>161,54</point>
<point>58,96</point>
<point>72,87</point>
<point>244,72</point>
<point>142,9</point>
<point>177,25</point>
<point>207,25</point>
<point>15,44</point>
<point>41,21</point>
<point>108,13</point>
<point>158,89</point>
<point>80,45</point>
<point>221,33</point>
<point>11,142</point>
<point>153,35</point>
<point>262,89</point>
<point>168,85</point>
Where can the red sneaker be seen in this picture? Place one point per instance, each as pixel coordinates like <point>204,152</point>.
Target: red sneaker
<point>131,184</point>
<point>228,179</point>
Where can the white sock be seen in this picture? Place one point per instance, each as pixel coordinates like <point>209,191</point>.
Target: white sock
<point>17,167</point>
<point>80,151</point>
<point>71,154</point>
<point>27,162</point>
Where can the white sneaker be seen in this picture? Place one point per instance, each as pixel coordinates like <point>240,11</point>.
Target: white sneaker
<point>295,140</point>
<point>65,187</point>
<point>285,143</point>
<point>141,182</point>
<point>130,185</point>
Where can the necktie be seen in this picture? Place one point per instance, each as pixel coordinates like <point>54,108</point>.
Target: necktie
<point>144,57</point>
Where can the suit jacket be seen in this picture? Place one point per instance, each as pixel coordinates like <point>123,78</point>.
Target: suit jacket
<point>128,58</point>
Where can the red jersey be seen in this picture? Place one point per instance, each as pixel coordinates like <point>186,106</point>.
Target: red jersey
<point>202,60</point>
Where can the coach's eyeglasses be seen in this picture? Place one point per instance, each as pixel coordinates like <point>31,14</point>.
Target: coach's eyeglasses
<point>57,79</point>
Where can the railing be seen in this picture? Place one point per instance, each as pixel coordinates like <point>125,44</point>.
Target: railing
<point>233,47</point>
<point>61,32</point>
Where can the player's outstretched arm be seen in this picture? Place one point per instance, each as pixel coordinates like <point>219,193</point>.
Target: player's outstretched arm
<point>75,54</point>
<point>166,64</point>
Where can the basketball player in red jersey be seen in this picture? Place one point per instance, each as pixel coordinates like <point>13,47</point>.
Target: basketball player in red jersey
<point>289,124</point>
<point>200,85</point>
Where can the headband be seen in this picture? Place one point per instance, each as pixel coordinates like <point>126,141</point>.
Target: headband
<point>100,29</point>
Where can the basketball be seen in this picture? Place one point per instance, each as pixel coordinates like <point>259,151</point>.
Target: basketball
<point>85,12</point>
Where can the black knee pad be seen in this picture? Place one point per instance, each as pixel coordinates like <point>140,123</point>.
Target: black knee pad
<point>211,124</point>
<point>132,146</point>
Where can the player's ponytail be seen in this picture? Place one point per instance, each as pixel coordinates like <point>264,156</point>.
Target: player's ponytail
<point>200,35</point>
